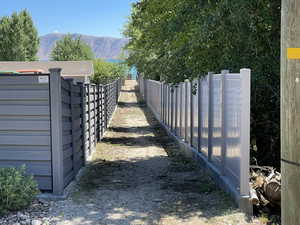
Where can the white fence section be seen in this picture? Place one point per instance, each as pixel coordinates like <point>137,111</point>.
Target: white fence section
<point>211,116</point>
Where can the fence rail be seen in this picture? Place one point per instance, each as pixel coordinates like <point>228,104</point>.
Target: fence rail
<point>52,124</point>
<point>210,117</point>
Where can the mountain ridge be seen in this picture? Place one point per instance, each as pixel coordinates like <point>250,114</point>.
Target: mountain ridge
<point>103,47</point>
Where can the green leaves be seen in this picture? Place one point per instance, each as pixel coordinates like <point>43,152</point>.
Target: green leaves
<point>19,39</point>
<point>17,190</point>
<point>106,72</point>
<point>69,49</point>
<point>174,40</point>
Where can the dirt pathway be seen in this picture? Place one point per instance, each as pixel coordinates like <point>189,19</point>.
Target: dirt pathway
<point>136,177</point>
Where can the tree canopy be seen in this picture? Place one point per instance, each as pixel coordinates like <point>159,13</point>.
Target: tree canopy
<point>69,49</point>
<point>19,39</point>
<point>174,40</point>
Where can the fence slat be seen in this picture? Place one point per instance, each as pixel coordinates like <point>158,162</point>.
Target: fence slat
<point>199,114</point>
<point>223,110</point>
<point>210,114</point>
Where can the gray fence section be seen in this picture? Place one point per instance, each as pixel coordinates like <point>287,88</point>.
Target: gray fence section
<point>25,126</point>
<point>211,116</point>
<point>52,124</point>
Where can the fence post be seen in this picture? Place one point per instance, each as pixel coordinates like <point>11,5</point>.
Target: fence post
<point>105,107</point>
<point>102,110</point>
<point>199,113</point>
<point>192,113</point>
<point>180,111</point>
<point>95,116</point>
<point>176,110</point>
<point>165,103</point>
<point>162,102</point>
<point>99,113</point>
<point>56,131</point>
<point>210,114</point>
<point>245,132</point>
<point>89,116</point>
<point>172,107</point>
<point>84,122</point>
<point>145,91</point>
<point>224,127</point>
<point>186,112</point>
<point>73,126</point>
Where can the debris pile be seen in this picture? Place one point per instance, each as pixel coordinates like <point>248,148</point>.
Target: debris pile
<point>265,186</point>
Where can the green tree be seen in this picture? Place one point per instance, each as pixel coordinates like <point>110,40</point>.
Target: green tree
<point>69,49</point>
<point>19,39</point>
<point>174,40</point>
<point>106,72</point>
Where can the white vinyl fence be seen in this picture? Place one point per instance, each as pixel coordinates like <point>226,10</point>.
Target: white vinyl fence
<point>211,116</point>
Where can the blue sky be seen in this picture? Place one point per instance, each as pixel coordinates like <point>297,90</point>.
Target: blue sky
<point>91,17</point>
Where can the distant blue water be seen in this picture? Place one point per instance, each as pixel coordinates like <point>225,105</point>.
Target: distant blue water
<point>133,70</point>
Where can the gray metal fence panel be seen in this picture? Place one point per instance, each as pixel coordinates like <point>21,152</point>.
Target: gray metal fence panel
<point>233,118</point>
<point>215,120</point>
<point>188,113</point>
<point>51,125</point>
<point>25,126</point>
<point>194,114</point>
<point>204,115</point>
<point>154,97</point>
<point>183,110</point>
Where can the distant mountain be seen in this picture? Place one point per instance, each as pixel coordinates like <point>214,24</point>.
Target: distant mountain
<point>103,47</point>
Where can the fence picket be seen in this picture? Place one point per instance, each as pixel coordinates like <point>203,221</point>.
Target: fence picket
<point>224,125</point>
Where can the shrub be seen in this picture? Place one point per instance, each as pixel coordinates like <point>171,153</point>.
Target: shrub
<point>107,72</point>
<point>17,190</point>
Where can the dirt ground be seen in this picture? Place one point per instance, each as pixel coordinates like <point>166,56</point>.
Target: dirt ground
<point>137,177</point>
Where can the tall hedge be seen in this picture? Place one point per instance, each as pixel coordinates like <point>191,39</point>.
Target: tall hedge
<point>175,40</point>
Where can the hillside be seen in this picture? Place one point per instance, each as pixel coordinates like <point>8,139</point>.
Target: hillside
<point>103,47</point>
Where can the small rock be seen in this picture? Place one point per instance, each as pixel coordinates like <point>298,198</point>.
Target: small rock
<point>26,222</point>
<point>22,216</point>
<point>36,222</point>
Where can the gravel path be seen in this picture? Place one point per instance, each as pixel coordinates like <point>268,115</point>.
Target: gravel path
<point>137,178</point>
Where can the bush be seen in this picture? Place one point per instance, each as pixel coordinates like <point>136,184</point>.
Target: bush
<point>107,72</point>
<point>17,190</point>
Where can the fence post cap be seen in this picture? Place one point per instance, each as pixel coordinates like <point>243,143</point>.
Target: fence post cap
<point>245,70</point>
<point>55,70</point>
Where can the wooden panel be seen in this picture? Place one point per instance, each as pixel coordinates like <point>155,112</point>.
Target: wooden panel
<point>24,125</point>
<point>76,89</point>
<point>44,183</point>
<point>68,178</point>
<point>65,85</point>
<point>17,110</point>
<point>24,94</point>
<point>68,152</point>
<point>68,165</point>
<point>25,155</point>
<point>67,139</point>
<point>39,168</point>
<point>24,140</point>
<point>19,80</point>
